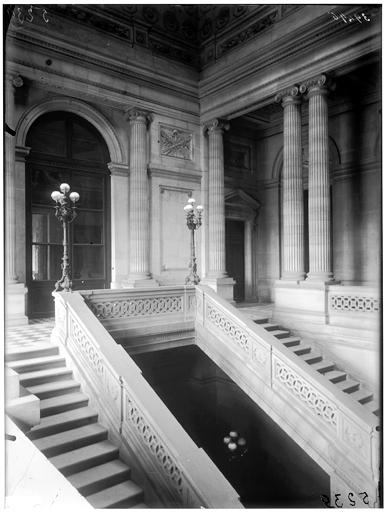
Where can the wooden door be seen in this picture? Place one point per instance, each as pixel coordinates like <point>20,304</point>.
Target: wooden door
<point>66,148</point>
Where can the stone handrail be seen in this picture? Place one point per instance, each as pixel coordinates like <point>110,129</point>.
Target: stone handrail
<point>180,472</point>
<point>276,377</point>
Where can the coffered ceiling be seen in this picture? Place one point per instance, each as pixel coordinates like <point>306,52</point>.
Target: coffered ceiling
<point>196,35</point>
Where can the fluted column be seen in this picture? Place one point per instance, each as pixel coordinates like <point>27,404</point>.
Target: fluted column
<point>319,208</point>
<point>217,276</point>
<point>216,199</point>
<point>292,182</point>
<point>139,236</point>
<point>11,83</point>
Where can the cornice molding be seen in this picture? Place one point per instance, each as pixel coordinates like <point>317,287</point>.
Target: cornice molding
<point>92,91</point>
<point>347,45</point>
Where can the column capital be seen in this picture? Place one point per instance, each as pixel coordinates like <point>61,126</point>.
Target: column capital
<point>320,84</point>
<point>289,95</point>
<point>139,115</point>
<point>219,125</point>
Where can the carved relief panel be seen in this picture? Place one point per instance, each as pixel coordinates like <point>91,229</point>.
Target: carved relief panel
<point>176,143</point>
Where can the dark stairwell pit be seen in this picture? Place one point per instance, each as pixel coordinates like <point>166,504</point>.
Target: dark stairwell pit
<point>274,472</point>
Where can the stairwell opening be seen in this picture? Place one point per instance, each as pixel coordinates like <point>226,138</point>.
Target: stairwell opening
<point>274,472</point>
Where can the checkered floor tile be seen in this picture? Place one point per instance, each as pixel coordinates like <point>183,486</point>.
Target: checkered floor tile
<point>25,335</point>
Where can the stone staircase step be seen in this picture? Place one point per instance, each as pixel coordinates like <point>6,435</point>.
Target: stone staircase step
<point>37,363</point>
<point>373,407</point>
<point>100,477</point>
<point>140,505</point>
<point>71,439</point>
<point>335,376</point>
<point>279,334</point>
<point>291,341</point>
<point>58,404</point>
<point>86,457</point>
<point>348,386</point>
<point>301,349</point>
<point>270,327</point>
<point>324,366</point>
<point>63,421</point>
<point>261,320</point>
<point>124,495</point>
<point>311,357</point>
<point>362,396</point>
<point>55,388</point>
<point>37,350</point>
<point>44,376</point>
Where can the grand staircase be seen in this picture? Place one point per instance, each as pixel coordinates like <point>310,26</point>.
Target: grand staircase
<point>69,434</point>
<point>311,355</point>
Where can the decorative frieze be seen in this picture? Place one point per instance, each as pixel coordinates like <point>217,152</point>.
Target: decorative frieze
<point>176,143</point>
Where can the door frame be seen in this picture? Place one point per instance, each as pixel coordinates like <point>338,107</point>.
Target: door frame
<point>242,207</point>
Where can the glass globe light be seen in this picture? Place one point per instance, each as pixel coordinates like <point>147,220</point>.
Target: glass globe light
<point>74,196</point>
<point>56,195</point>
<point>241,442</point>
<point>199,208</point>
<point>188,207</point>
<point>191,200</point>
<point>233,434</point>
<point>227,439</point>
<point>232,446</point>
<point>64,187</point>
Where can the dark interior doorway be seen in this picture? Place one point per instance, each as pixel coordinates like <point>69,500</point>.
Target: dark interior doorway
<point>274,472</point>
<point>66,149</point>
<point>234,252</point>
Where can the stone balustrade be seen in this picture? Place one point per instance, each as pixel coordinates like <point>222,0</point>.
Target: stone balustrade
<point>334,429</point>
<point>354,306</point>
<point>146,319</point>
<point>172,469</point>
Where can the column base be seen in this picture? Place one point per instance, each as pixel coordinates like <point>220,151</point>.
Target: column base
<point>140,281</point>
<point>15,304</point>
<point>320,277</point>
<point>293,276</point>
<point>223,286</point>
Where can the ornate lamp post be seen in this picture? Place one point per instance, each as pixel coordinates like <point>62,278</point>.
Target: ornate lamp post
<point>65,213</point>
<point>193,221</point>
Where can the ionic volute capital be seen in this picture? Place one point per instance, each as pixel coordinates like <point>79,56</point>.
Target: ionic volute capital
<point>289,95</point>
<point>216,125</point>
<point>138,115</point>
<point>320,83</point>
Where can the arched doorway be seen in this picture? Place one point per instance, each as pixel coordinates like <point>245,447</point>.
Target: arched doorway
<point>65,148</point>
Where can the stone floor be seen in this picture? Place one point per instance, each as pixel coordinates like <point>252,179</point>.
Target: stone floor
<point>24,335</point>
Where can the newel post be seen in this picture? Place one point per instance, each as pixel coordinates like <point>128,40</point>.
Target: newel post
<point>60,332</point>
